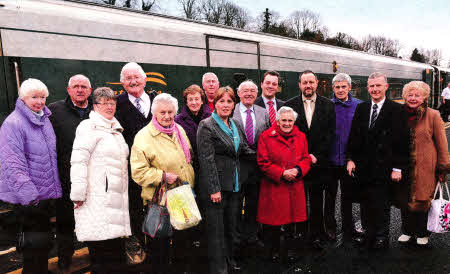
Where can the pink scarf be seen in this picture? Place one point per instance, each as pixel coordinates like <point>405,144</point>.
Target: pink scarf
<point>173,127</point>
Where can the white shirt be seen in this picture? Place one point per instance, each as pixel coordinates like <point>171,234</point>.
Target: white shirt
<point>145,102</point>
<point>242,110</point>
<point>446,93</point>
<point>267,105</point>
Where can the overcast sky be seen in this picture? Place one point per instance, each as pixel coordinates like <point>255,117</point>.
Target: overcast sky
<point>415,23</point>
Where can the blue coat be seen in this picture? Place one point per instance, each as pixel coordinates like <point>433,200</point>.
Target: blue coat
<point>344,116</point>
<point>29,172</point>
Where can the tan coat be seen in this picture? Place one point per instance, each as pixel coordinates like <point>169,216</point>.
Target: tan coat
<point>152,154</point>
<point>431,157</point>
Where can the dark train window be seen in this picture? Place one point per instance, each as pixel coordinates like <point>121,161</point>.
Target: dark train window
<point>356,91</point>
<point>395,90</point>
<point>325,88</point>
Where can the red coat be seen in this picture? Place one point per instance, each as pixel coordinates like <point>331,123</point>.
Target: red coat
<point>282,202</point>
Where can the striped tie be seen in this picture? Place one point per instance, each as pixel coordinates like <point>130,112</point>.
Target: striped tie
<point>374,116</point>
<point>249,127</point>
<point>138,106</point>
<point>272,113</point>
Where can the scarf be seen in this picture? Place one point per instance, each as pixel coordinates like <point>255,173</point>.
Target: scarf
<point>169,131</point>
<point>234,135</point>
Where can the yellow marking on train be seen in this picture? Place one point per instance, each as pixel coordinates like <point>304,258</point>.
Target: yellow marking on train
<point>447,125</point>
<point>80,260</point>
<point>155,74</point>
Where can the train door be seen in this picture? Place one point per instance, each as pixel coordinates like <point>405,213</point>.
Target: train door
<point>4,98</point>
<point>233,60</point>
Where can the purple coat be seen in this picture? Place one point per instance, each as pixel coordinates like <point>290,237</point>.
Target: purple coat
<point>29,170</point>
<point>344,116</point>
<point>185,120</point>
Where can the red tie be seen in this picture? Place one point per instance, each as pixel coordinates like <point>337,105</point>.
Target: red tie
<point>272,113</point>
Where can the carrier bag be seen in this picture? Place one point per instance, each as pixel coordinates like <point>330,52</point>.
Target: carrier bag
<point>439,214</point>
<point>182,207</point>
<point>157,221</point>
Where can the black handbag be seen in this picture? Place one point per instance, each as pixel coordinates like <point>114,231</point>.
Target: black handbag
<point>157,220</point>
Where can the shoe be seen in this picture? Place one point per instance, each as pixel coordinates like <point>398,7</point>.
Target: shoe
<point>275,258</point>
<point>196,244</point>
<point>404,238</point>
<point>234,265</point>
<point>359,240</point>
<point>422,241</point>
<point>380,244</point>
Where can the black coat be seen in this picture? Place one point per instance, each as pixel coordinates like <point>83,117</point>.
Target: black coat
<point>130,118</point>
<point>65,119</point>
<point>323,127</point>
<point>218,158</point>
<point>378,150</point>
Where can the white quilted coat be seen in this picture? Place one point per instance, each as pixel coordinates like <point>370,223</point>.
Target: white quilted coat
<point>99,175</point>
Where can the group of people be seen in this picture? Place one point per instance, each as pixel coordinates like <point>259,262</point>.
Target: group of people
<point>99,160</point>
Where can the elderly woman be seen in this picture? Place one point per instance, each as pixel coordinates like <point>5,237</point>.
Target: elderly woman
<point>29,176</point>
<point>284,160</point>
<point>428,160</point>
<point>162,147</point>
<point>99,177</point>
<point>222,144</point>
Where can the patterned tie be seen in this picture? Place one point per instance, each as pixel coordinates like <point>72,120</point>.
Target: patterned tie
<point>138,106</point>
<point>249,127</point>
<point>374,116</point>
<point>272,113</point>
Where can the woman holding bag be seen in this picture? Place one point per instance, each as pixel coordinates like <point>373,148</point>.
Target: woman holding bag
<point>162,150</point>
<point>428,160</point>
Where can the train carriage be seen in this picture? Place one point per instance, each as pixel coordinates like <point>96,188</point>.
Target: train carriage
<point>52,40</point>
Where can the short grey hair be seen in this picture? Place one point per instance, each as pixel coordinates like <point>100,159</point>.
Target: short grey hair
<point>209,74</point>
<point>103,92</point>
<point>342,77</point>
<point>378,75</point>
<point>164,98</point>
<point>132,65</point>
<point>248,82</point>
<point>31,85</point>
<point>69,84</point>
<point>284,110</point>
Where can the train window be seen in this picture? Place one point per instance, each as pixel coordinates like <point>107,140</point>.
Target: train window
<point>395,90</point>
<point>356,89</point>
<point>325,88</point>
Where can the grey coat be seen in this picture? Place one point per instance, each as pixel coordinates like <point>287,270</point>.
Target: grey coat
<point>218,158</point>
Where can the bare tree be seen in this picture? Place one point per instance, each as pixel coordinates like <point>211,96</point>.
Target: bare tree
<point>224,12</point>
<point>190,8</point>
<point>302,20</point>
<point>380,44</point>
<point>211,10</point>
<point>149,5</point>
<point>432,56</point>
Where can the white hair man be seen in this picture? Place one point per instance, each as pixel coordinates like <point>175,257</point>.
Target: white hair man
<point>210,84</point>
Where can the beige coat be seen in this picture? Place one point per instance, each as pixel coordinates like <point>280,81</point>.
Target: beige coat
<point>431,157</point>
<point>152,154</point>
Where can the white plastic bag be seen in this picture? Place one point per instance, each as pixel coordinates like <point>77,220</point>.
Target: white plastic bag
<point>182,208</point>
<point>439,214</point>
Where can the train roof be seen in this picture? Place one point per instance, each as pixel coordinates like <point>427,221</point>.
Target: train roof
<point>133,18</point>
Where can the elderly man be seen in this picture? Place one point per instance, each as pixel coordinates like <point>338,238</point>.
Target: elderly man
<point>446,102</point>
<point>254,119</point>
<point>317,119</point>
<point>267,100</point>
<point>210,84</point>
<point>133,113</point>
<point>66,115</point>
<point>344,105</point>
<point>377,153</point>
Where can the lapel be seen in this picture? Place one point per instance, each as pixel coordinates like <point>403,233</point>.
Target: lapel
<point>260,120</point>
<point>382,115</point>
<point>237,115</point>
<point>224,137</point>
<point>303,125</point>
<point>317,109</point>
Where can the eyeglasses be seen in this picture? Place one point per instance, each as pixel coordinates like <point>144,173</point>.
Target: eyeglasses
<point>107,104</point>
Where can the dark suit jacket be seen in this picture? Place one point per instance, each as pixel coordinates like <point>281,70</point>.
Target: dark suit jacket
<point>250,169</point>
<point>130,118</point>
<point>376,151</point>
<point>218,158</point>
<point>323,126</point>
<point>260,102</point>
